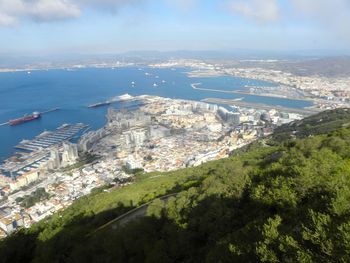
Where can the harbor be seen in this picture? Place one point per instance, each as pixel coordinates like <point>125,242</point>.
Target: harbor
<point>48,139</point>
<point>36,152</point>
<point>106,84</point>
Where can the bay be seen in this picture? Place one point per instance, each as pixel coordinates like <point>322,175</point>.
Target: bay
<point>72,90</point>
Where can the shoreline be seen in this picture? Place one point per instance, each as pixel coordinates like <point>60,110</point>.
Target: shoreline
<point>194,86</point>
<point>244,104</point>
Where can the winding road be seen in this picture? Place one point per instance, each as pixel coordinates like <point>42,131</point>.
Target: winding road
<point>131,215</point>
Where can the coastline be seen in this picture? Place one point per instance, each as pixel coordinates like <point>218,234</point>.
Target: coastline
<point>304,111</point>
<point>272,95</point>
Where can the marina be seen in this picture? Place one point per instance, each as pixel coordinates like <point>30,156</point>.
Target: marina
<point>48,139</point>
<point>34,153</point>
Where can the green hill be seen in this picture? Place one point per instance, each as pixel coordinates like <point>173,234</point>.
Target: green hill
<point>321,123</point>
<point>283,201</point>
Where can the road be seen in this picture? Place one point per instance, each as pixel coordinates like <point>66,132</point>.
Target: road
<point>195,86</point>
<point>303,111</point>
<point>130,215</point>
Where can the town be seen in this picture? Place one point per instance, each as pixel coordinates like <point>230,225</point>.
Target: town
<point>160,134</point>
<point>326,92</point>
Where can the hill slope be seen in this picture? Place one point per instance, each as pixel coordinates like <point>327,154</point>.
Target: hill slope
<point>289,202</point>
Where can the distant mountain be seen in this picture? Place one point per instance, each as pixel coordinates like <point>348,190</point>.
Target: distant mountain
<point>305,58</point>
<point>284,200</point>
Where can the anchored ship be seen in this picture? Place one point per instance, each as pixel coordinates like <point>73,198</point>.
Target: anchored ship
<point>26,118</point>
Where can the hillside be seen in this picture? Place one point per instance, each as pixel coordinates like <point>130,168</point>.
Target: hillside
<point>284,201</point>
<point>321,123</point>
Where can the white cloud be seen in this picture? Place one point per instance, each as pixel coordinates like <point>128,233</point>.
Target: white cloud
<point>114,4</point>
<point>334,15</point>
<point>11,11</point>
<point>47,10</point>
<point>6,20</point>
<point>262,11</point>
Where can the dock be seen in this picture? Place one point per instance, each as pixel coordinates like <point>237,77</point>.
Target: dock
<point>33,153</point>
<point>49,139</point>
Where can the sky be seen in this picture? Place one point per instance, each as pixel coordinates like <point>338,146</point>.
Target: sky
<point>115,26</point>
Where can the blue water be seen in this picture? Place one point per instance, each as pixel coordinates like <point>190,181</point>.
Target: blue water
<point>71,91</point>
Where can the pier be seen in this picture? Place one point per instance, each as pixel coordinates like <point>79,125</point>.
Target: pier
<point>49,139</point>
<point>35,152</point>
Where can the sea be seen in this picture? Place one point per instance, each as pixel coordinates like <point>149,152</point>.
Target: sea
<point>73,90</point>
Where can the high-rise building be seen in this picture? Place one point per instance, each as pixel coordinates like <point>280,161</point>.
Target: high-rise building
<point>55,160</point>
<point>69,154</point>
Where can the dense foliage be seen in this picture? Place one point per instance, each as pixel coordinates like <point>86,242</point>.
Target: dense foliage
<point>29,200</point>
<point>322,123</point>
<point>289,202</point>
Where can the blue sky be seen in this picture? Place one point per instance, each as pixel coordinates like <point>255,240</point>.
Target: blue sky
<point>112,26</point>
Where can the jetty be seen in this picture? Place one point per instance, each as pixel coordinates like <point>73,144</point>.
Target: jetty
<point>50,138</point>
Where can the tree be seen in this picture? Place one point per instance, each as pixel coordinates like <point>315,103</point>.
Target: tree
<point>155,208</point>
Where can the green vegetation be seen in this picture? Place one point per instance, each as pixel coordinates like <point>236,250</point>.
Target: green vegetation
<point>287,200</point>
<point>322,123</point>
<point>86,159</point>
<point>29,200</point>
<point>132,171</point>
<point>26,187</point>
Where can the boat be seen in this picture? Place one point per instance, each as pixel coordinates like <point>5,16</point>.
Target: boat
<point>99,104</point>
<point>26,118</point>
<point>155,85</point>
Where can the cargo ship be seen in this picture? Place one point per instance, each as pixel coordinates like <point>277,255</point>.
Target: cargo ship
<point>26,118</point>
